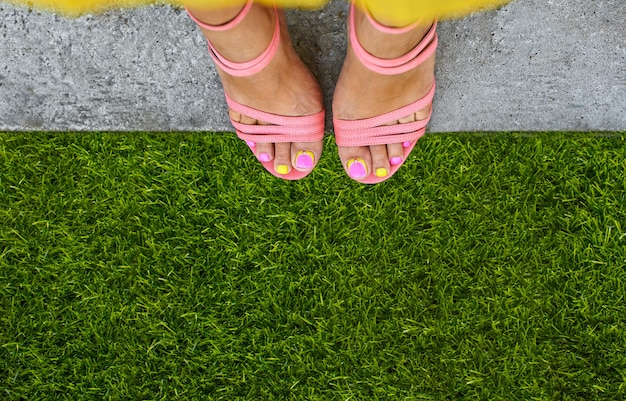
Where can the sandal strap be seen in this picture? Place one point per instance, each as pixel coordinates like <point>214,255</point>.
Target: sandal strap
<point>373,131</point>
<point>230,24</point>
<point>402,64</point>
<point>389,29</point>
<point>282,129</point>
<point>247,68</point>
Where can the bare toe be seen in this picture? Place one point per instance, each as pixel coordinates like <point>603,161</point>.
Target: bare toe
<point>282,160</point>
<point>264,152</point>
<point>395,153</point>
<point>304,155</point>
<point>356,161</point>
<point>380,160</point>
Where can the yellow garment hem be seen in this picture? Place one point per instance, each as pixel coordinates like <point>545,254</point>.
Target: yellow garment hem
<point>402,11</point>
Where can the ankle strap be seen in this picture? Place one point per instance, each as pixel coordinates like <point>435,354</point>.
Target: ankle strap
<point>245,68</point>
<point>389,29</point>
<point>407,62</point>
<point>230,24</point>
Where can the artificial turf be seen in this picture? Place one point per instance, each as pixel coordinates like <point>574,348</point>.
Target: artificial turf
<point>173,267</point>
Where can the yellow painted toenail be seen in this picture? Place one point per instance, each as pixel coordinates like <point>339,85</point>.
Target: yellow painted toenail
<point>282,169</point>
<point>381,172</point>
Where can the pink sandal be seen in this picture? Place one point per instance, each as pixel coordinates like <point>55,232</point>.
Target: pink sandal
<point>283,128</point>
<point>373,131</point>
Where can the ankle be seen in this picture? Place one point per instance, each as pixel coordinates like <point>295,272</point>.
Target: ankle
<point>243,41</point>
<point>216,17</point>
<point>382,43</point>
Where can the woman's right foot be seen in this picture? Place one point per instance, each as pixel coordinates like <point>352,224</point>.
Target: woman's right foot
<point>362,93</point>
<point>285,87</point>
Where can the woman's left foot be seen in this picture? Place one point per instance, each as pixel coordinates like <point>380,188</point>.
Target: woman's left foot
<point>284,88</point>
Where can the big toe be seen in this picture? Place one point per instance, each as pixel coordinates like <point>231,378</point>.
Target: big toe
<point>305,155</point>
<point>357,161</point>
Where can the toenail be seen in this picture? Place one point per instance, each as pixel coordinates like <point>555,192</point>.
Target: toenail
<point>394,161</point>
<point>305,159</point>
<point>265,157</point>
<point>282,169</point>
<point>381,172</point>
<point>250,143</point>
<point>406,144</point>
<point>357,168</point>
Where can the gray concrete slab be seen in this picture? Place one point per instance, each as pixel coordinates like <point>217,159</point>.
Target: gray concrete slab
<point>531,65</point>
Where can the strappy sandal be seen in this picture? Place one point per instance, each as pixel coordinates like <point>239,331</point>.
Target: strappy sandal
<point>373,131</point>
<point>282,128</point>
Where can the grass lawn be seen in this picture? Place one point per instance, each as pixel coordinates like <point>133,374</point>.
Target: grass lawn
<point>173,267</point>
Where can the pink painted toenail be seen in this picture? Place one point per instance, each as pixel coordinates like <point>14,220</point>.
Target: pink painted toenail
<point>406,144</point>
<point>250,143</point>
<point>265,157</point>
<point>394,161</point>
<point>357,168</point>
<point>305,160</point>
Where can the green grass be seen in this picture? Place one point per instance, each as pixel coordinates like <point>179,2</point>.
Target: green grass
<point>172,267</point>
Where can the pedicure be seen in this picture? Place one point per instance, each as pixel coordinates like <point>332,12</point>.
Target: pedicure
<point>357,168</point>
<point>250,143</point>
<point>394,161</point>
<point>305,159</point>
<point>406,144</point>
<point>265,157</point>
<point>381,172</point>
<point>282,169</point>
